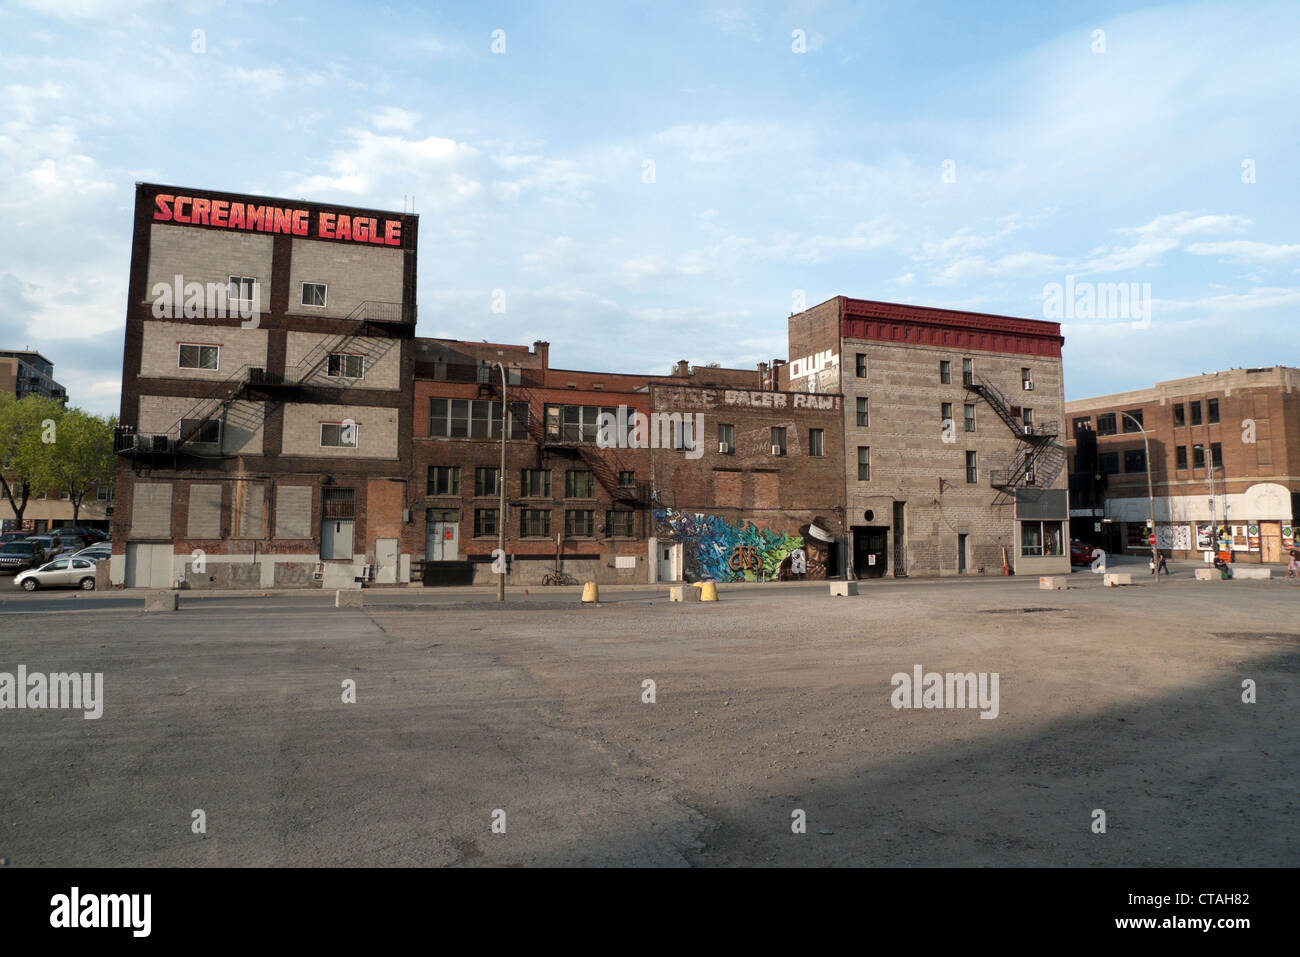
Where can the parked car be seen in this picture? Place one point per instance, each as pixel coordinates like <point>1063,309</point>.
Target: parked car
<point>60,573</point>
<point>1081,553</point>
<point>19,556</point>
<point>96,553</point>
<point>45,544</point>
<point>12,537</point>
<point>91,535</point>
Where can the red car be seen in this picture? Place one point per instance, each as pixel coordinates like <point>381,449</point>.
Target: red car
<point>1081,553</point>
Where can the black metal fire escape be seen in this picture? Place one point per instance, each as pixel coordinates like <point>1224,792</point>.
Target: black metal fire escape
<point>1038,458</point>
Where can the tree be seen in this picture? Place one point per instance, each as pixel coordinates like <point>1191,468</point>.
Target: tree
<point>27,430</point>
<point>81,457</point>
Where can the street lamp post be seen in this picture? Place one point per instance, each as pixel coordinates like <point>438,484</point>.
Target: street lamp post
<point>1151,500</point>
<point>501,500</point>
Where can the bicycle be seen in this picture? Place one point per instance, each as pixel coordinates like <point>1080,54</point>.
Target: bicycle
<point>559,578</point>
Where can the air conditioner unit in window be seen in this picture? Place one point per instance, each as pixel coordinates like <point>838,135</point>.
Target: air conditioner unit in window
<point>1029,429</point>
<point>1029,385</point>
<point>1029,477</point>
<point>724,448</point>
<point>776,450</point>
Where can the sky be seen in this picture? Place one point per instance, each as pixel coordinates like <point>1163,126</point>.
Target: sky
<point>643,182</point>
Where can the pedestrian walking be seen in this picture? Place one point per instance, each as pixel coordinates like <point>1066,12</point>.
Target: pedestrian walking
<point>1293,566</point>
<point>1162,568</point>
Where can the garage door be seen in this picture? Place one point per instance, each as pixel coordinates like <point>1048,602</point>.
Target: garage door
<point>148,566</point>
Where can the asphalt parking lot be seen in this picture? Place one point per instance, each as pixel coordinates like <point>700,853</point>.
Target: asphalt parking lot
<point>773,701</point>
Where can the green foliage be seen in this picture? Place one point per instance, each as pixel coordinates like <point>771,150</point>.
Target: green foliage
<point>44,446</point>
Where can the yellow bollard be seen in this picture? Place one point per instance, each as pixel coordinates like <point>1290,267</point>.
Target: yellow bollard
<point>590,592</point>
<point>708,591</point>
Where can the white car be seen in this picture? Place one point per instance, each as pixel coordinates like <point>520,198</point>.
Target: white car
<point>96,553</point>
<point>60,573</point>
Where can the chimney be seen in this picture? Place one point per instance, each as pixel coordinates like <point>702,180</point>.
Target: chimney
<point>683,368</point>
<point>762,376</point>
<point>543,349</point>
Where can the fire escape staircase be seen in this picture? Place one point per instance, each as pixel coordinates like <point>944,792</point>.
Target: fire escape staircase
<point>1038,458</point>
<point>222,402</point>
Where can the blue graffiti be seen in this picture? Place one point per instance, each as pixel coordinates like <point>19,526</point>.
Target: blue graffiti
<point>714,548</point>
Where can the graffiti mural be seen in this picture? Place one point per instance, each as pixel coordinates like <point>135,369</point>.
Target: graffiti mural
<point>714,548</point>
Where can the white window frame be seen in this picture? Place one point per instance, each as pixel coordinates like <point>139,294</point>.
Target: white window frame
<point>346,355</point>
<point>221,431</point>
<point>356,436</point>
<point>302,295</point>
<point>181,346</point>
<point>249,282</point>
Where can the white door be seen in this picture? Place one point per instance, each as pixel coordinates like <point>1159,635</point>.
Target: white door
<point>442,541</point>
<point>336,538</point>
<point>386,561</point>
<point>667,573</point>
<point>148,566</point>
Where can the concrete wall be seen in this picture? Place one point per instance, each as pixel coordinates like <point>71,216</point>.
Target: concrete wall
<point>205,255</point>
<point>160,350</point>
<point>242,426</point>
<point>383,360</point>
<point>376,430</point>
<point>354,274</point>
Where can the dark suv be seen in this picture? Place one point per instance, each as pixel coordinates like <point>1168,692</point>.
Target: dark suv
<point>16,557</point>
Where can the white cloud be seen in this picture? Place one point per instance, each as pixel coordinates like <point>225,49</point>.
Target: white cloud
<point>264,80</point>
<point>1246,251</point>
<point>395,118</point>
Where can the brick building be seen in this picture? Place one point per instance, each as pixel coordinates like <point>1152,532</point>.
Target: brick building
<point>951,434</point>
<point>25,372</point>
<point>1225,465</point>
<point>266,382</point>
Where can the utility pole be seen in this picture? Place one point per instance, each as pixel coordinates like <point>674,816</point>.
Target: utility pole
<point>1151,499</point>
<point>501,491</point>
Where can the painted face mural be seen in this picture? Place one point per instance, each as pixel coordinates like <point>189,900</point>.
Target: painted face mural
<point>714,548</point>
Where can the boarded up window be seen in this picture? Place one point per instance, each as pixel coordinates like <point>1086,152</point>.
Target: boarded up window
<point>250,521</point>
<point>205,512</point>
<point>767,490</point>
<point>1264,452</point>
<point>151,510</point>
<point>293,511</point>
<point>1261,405</point>
<point>726,489</point>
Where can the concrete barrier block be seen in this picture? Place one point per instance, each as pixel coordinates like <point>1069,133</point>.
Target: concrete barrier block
<point>1051,582</point>
<point>844,588</point>
<point>349,598</point>
<point>1252,571</point>
<point>1118,578</point>
<point>1206,574</point>
<point>683,593</point>
<point>160,601</point>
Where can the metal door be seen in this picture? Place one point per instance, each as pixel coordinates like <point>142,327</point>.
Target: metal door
<point>336,538</point>
<point>961,554</point>
<point>666,563</point>
<point>148,566</point>
<point>441,541</point>
<point>386,561</point>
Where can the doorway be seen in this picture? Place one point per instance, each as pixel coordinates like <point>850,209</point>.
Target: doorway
<point>442,535</point>
<point>961,554</point>
<point>386,561</point>
<point>900,550</point>
<point>870,551</point>
<point>338,518</point>
<point>668,565</point>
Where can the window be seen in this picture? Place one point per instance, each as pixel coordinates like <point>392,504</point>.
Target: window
<point>1212,410</point>
<point>1135,460</point>
<point>578,523</point>
<point>575,423</point>
<point>1027,417</point>
<point>618,523</point>
<point>1083,424</point>
<point>1180,415</point>
<point>346,366</point>
<point>861,367</point>
<point>242,289</point>
<point>101,493</point>
<point>945,416</point>
<point>313,293</point>
<point>1198,456</point>
<point>534,523</point>
<point>1196,412</point>
<point>967,372</point>
<point>972,469</point>
<point>199,357</point>
<point>578,484</point>
<point>484,371</point>
<point>778,440</point>
<point>945,372</point>
<point>1108,463</point>
<point>1106,424</point>
<point>685,434</point>
<point>815,442</point>
<point>864,412</point>
<point>535,483</point>
<point>970,417</point>
<point>338,435</point>
<point>1026,378</point>
<point>626,478</point>
<point>485,522</point>
<point>485,480</point>
<point>864,463</point>
<point>514,376</point>
<point>726,438</point>
<point>207,431</point>
<point>1129,424</point>
<point>1180,456</point>
<point>1040,539</point>
<point>1216,455</point>
<point>444,480</point>
<point>475,418</point>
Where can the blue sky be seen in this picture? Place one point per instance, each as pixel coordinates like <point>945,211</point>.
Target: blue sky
<point>776,174</point>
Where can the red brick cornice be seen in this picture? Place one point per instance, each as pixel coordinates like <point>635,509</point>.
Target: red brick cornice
<point>924,325</point>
